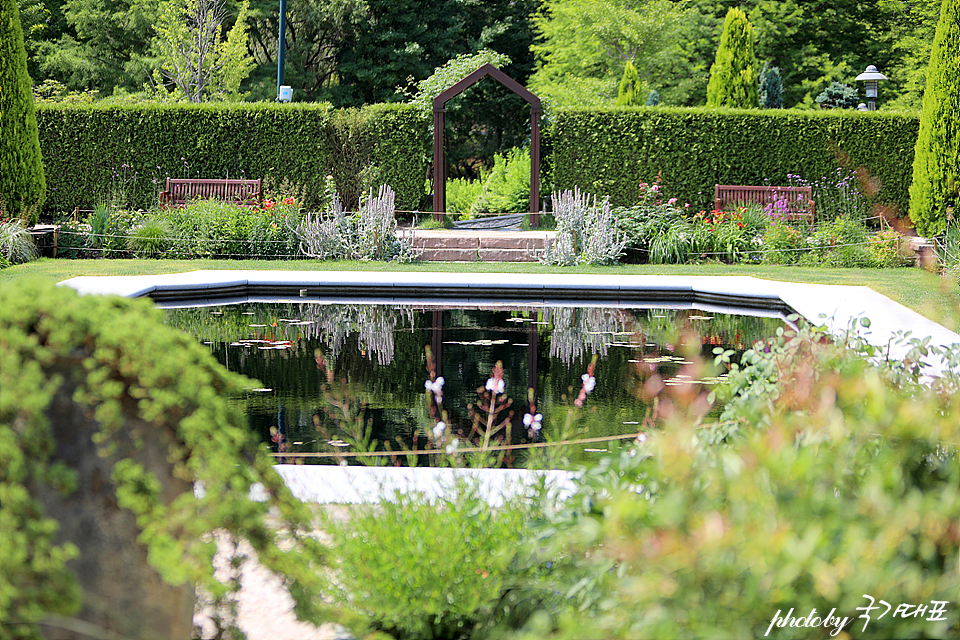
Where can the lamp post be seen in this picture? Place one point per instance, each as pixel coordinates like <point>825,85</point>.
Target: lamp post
<point>281,46</point>
<point>872,78</point>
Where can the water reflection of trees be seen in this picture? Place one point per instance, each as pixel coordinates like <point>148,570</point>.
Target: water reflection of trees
<point>373,360</point>
<point>373,325</point>
<point>581,332</point>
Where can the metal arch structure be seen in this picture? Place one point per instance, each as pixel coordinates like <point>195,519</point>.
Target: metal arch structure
<point>439,160</point>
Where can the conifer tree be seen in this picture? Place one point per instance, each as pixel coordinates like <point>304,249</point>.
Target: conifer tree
<point>733,76</point>
<point>771,87</point>
<point>935,192</point>
<point>22,184</point>
<point>629,93</point>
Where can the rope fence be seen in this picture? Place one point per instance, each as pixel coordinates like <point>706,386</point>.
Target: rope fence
<point>224,255</point>
<point>504,447</point>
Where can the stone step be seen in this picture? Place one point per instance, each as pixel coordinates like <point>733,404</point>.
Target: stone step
<point>448,255</point>
<point>455,245</point>
<point>432,254</point>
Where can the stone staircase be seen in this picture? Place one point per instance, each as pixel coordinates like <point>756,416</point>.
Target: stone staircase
<point>476,245</point>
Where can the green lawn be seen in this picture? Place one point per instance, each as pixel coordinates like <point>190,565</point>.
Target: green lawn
<point>915,288</point>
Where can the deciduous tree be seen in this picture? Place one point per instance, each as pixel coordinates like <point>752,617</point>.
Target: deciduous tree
<point>197,62</point>
<point>584,46</point>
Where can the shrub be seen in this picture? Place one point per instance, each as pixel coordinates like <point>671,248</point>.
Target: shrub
<point>610,151</point>
<point>628,94</point>
<point>507,188</point>
<point>22,184</point>
<point>111,366</point>
<point>888,248</point>
<point>838,96</point>
<point>462,193</point>
<point>839,478</point>
<point>935,189</point>
<point>771,87</point>
<point>844,237</point>
<point>948,250</point>
<point>733,76</point>
<point>149,239</point>
<point>371,234</point>
<point>16,244</point>
<point>94,151</point>
<point>782,244</point>
<point>586,231</point>
<point>452,560</point>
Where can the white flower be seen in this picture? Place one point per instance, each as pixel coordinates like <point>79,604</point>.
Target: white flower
<point>438,429</point>
<point>496,385</point>
<point>533,421</point>
<point>453,446</point>
<point>436,386</point>
<point>641,437</point>
<point>589,382</point>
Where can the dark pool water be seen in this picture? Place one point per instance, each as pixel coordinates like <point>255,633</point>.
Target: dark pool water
<point>341,381</point>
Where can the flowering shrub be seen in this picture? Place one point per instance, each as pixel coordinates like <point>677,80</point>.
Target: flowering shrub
<point>586,231</point>
<point>371,234</point>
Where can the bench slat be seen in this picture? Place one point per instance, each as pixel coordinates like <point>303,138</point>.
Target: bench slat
<point>797,201</point>
<point>181,191</point>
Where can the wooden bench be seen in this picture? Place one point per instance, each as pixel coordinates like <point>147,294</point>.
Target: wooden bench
<point>797,202</point>
<point>182,191</point>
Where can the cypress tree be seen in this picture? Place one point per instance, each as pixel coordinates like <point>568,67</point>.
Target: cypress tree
<point>22,184</point>
<point>629,93</point>
<point>935,191</point>
<point>733,76</point>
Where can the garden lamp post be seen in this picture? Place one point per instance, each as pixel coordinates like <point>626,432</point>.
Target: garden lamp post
<point>281,45</point>
<point>872,78</point>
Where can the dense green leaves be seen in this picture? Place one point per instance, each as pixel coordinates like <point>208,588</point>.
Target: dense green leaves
<point>122,366</point>
<point>124,154</point>
<point>22,185</point>
<point>610,152</point>
<point>585,44</point>
<point>935,192</point>
<point>733,76</point>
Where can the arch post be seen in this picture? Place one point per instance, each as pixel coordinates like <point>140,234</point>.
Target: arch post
<point>439,162</point>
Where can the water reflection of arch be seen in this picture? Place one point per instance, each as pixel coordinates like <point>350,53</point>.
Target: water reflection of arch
<point>439,332</point>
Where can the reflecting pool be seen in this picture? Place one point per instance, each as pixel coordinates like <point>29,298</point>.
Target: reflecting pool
<point>431,385</point>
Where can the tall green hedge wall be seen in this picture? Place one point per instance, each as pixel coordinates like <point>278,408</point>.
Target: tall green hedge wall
<point>94,154</point>
<point>610,152</point>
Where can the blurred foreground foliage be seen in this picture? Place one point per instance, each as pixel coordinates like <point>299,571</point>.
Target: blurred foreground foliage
<point>137,380</point>
<point>832,474</point>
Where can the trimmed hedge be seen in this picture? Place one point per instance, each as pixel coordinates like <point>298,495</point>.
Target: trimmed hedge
<point>124,154</point>
<point>610,152</point>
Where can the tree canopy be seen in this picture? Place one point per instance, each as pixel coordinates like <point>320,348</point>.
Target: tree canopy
<point>354,51</point>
